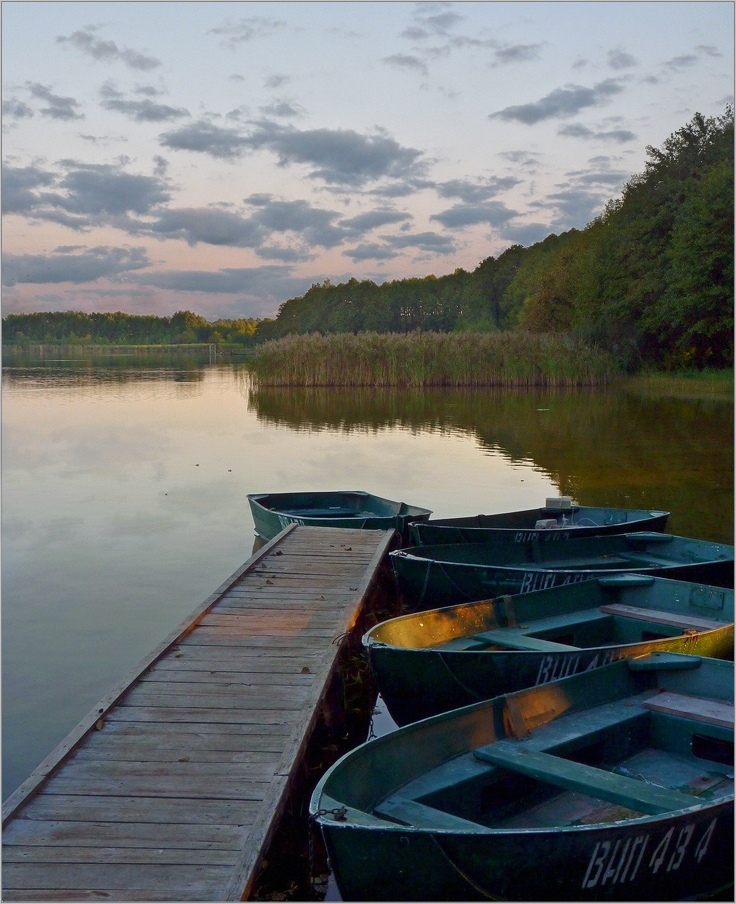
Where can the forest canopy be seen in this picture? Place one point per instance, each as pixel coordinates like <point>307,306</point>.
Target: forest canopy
<point>651,279</point>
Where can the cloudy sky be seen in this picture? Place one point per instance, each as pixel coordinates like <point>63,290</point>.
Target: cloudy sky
<point>222,157</point>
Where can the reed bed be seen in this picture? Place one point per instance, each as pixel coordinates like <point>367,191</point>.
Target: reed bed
<point>422,359</point>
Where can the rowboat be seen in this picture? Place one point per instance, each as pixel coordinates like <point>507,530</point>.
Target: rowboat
<point>430,662</point>
<point>442,575</point>
<point>272,512</point>
<point>614,784</point>
<point>560,519</point>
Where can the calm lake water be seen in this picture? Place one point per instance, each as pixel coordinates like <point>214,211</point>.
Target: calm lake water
<point>124,496</point>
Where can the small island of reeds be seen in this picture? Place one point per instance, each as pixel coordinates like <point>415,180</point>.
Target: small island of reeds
<point>423,359</point>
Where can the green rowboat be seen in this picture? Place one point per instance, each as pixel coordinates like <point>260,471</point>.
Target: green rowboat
<point>272,512</point>
<point>560,519</point>
<point>430,662</point>
<point>446,574</point>
<point>615,784</point>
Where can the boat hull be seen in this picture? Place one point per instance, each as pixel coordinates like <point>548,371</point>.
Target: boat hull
<point>686,856</point>
<point>579,521</point>
<point>616,784</point>
<point>438,660</point>
<point>272,512</point>
<point>416,684</point>
<point>432,576</point>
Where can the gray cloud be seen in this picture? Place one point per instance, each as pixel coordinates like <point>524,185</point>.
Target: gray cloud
<point>475,191</point>
<point>575,207</point>
<point>208,225</point>
<point>527,234</point>
<point>247,29</point>
<point>139,110</point>
<point>372,219</point>
<point>518,53</point>
<point>85,41</point>
<point>313,224</point>
<point>58,107</point>
<point>18,185</point>
<point>72,264</point>
<point>268,282</point>
<point>494,213</point>
<point>338,156</point>
<point>621,136</point>
<point>284,109</point>
<point>432,20</point>
<point>708,50</point>
<point>205,138</point>
<point>406,61</point>
<point>619,59</point>
<point>102,189</point>
<point>16,109</point>
<point>425,241</point>
<point>678,63</point>
<point>81,195</point>
<point>371,251</point>
<point>288,255</point>
<point>277,80</point>
<point>560,103</point>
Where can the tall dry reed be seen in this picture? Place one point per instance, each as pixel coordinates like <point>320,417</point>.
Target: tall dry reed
<point>430,359</point>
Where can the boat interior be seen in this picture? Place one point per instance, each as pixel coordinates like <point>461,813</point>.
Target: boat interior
<point>648,754</point>
<point>607,625</point>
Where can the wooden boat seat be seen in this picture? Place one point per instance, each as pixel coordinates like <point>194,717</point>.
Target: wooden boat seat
<point>337,512</point>
<point>594,562</point>
<point>714,712</point>
<point>619,789</point>
<point>516,638</point>
<point>675,619</point>
<point>558,734</point>
<point>412,813</point>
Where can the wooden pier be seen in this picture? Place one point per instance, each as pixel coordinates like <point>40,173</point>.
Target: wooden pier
<point>172,787</point>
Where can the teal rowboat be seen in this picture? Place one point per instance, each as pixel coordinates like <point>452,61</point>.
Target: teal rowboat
<point>430,662</point>
<point>615,784</point>
<point>446,574</point>
<point>272,512</point>
<point>560,519</point>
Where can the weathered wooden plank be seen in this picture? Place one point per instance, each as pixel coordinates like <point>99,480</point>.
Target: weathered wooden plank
<point>116,810</point>
<point>697,708</point>
<point>278,723</point>
<point>196,882</point>
<point>292,621</point>
<point>297,678</point>
<point>112,775</point>
<point>68,833</point>
<point>214,696</point>
<point>35,854</point>
<point>83,894</point>
<point>223,734</point>
<point>207,786</point>
<point>283,657</point>
<point>152,752</point>
<point>302,642</point>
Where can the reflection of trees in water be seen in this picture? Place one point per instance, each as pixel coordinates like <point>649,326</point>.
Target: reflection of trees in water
<point>602,446</point>
<point>186,380</point>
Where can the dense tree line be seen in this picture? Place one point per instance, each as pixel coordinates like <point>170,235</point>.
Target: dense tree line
<point>72,327</point>
<point>651,279</point>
